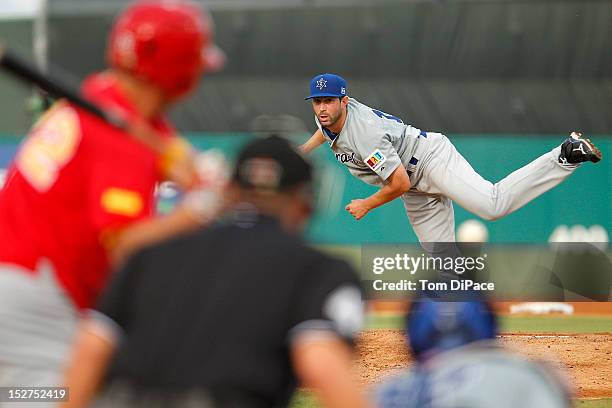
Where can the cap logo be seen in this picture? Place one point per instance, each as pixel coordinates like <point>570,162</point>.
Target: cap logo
<point>343,90</point>
<point>321,83</point>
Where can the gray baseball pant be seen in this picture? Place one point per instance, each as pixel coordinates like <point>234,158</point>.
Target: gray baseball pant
<point>445,176</point>
<point>37,325</point>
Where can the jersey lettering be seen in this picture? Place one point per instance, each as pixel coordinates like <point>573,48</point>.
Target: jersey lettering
<point>384,115</point>
<point>345,157</point>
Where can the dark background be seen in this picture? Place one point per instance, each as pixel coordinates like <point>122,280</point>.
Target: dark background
<point>455,66</point>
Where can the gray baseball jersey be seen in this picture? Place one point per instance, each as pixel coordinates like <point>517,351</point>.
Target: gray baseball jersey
<point>476,378</point>
<point>373,143</point>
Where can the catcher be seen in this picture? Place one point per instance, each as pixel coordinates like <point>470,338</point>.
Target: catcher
<point>459,364</point>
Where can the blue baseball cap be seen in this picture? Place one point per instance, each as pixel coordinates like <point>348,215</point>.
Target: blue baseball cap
<point>327,85</point>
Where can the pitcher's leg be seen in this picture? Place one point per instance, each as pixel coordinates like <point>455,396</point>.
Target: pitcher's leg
<point>433,221</point>
<point>448,173</point>
<point>432,217</point>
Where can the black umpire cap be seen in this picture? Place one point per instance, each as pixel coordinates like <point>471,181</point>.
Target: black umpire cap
<point>271,164</point>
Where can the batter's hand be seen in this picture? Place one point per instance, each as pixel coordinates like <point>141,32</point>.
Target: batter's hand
<point>177,163</point>
<point>206,201</point>
<point>358,208</point>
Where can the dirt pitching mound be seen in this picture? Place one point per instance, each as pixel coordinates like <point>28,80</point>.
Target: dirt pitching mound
<point>587,357</point>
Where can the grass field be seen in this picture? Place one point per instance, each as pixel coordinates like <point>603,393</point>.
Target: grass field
<point>599,403</point>
<point>508,324</point>
<point>520,324</point>
<point>305,400</point>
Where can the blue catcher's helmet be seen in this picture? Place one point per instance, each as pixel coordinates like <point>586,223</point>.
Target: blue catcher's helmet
<point>435,326</point>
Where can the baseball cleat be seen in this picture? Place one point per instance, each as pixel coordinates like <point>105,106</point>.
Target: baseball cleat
<point>576,150</point>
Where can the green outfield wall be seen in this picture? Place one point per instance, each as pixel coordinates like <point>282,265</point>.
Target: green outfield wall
<point>584,199</point>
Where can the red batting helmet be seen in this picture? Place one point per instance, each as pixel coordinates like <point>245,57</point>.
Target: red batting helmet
<point>167,42</point>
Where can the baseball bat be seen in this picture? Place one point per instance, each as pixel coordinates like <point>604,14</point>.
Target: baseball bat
<point>54,86</point>
<point>59,88</point>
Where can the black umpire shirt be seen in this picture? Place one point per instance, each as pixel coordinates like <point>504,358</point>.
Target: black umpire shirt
<point>217,311</point>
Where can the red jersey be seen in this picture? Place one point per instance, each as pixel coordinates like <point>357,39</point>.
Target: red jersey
<point>73,179</point>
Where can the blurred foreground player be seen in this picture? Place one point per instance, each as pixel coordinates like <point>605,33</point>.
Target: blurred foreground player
<point>234,315</point>
<point>80,192</point>
<point>459,364</point>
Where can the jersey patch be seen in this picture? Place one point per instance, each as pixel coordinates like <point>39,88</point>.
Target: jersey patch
<point>122,202</point>
<point>52,143</point>
<point>375,160</point>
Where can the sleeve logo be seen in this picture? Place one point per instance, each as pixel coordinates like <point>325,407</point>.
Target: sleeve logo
<point>122,202</point>
<point>51,144</point>
<point>375,160</point>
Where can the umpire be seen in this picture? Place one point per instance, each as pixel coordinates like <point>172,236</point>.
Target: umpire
<point>235,315</point>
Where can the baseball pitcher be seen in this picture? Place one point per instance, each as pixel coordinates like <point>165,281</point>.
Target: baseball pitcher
<point>424,168</point>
